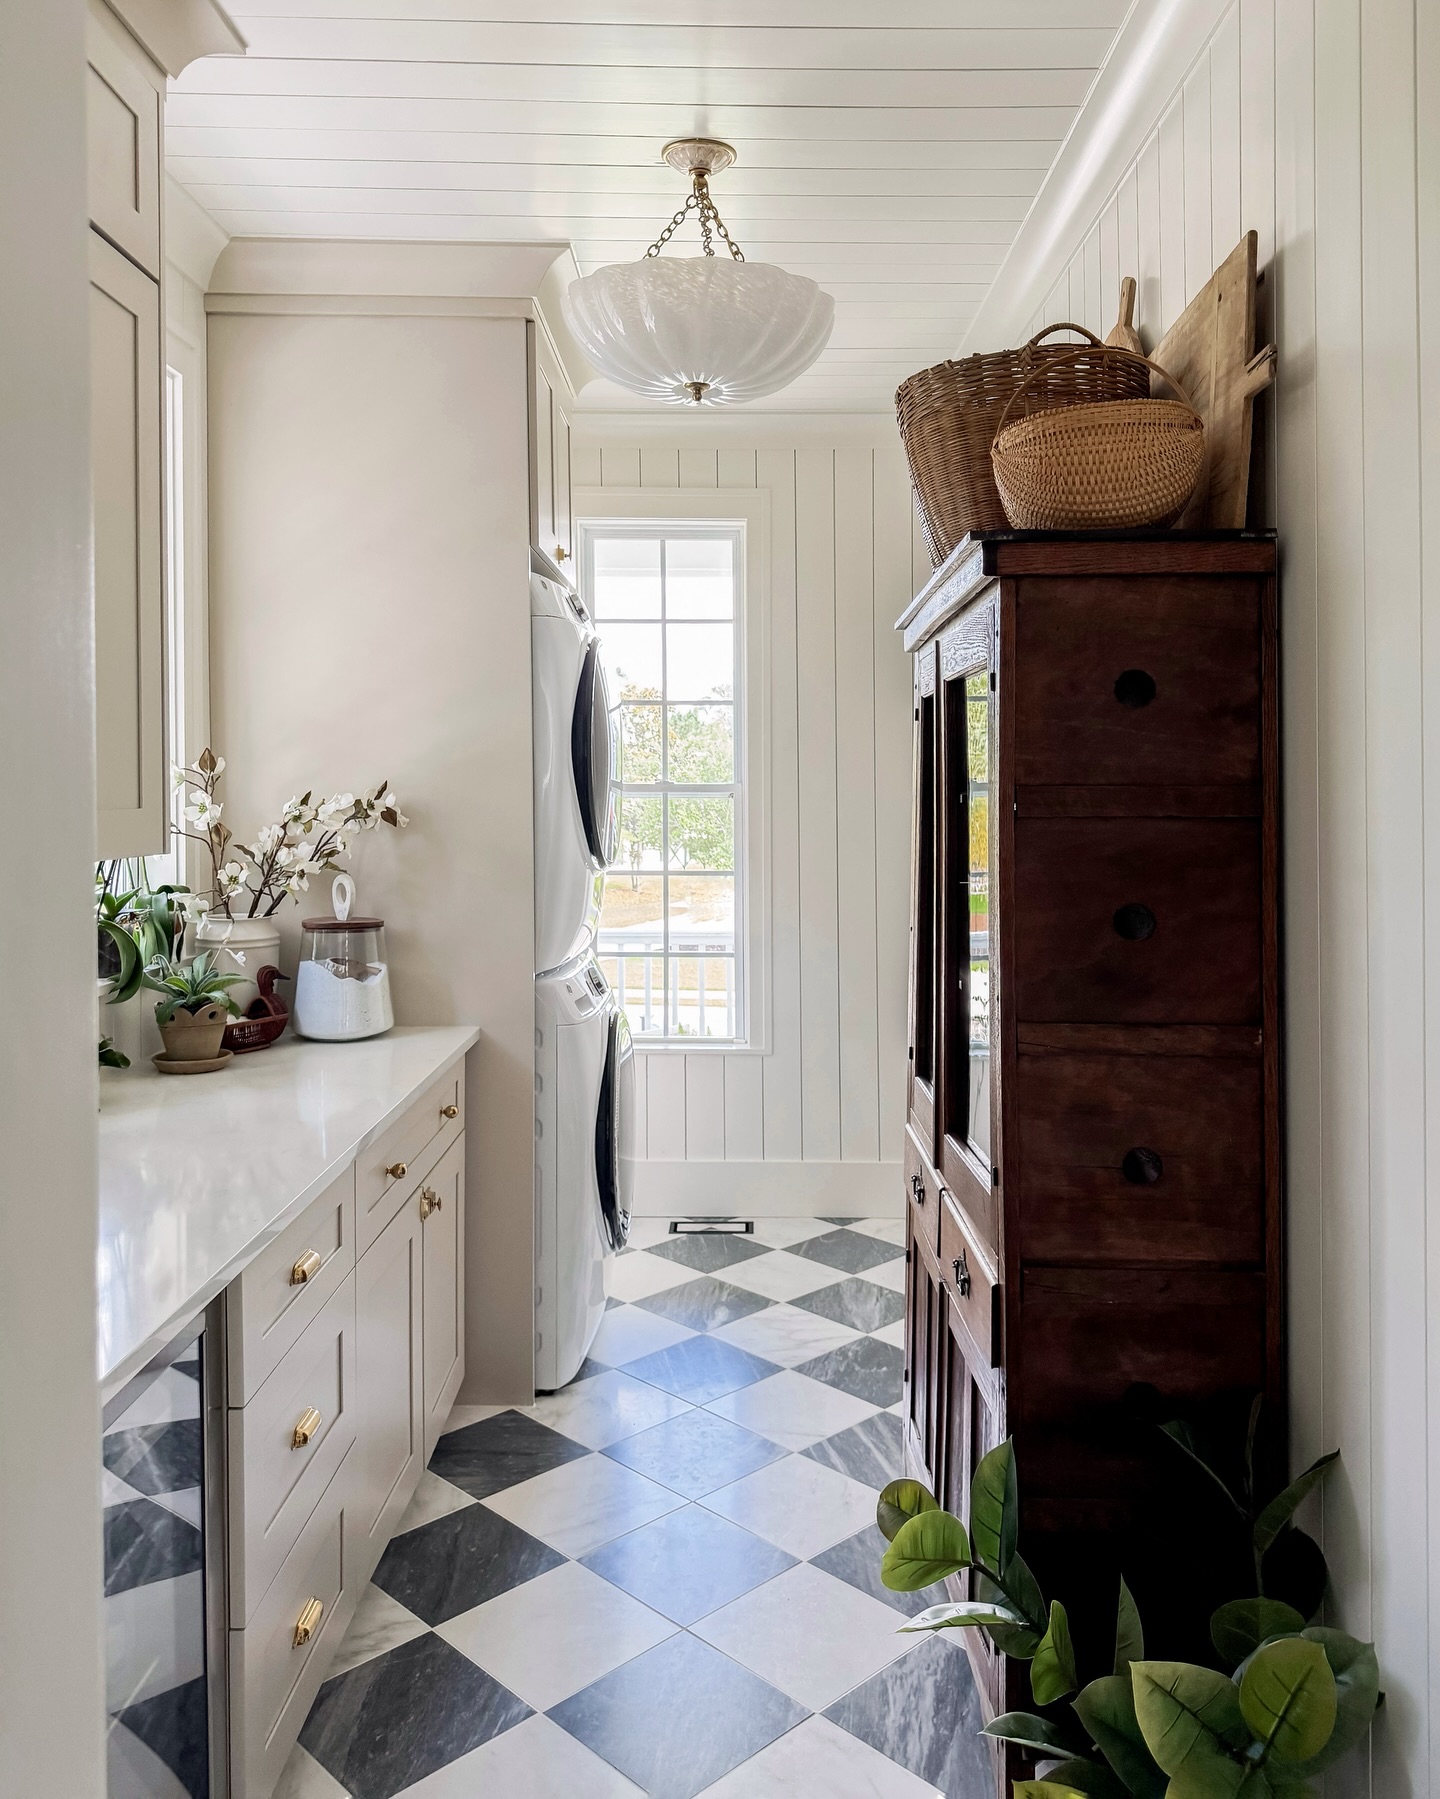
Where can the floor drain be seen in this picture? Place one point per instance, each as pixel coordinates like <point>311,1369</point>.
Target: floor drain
<point>712,1227</point>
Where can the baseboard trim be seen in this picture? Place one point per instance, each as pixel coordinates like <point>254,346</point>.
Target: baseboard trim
<point>768,1189</point>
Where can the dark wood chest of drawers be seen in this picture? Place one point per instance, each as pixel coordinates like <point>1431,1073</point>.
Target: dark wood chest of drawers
<point>1092,1167</point>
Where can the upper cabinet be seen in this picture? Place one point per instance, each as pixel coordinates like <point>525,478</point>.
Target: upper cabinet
<point>123,108</point>
<point>552,528</point>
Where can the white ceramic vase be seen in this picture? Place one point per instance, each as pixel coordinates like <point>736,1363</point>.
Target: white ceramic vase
<point>240,945</point>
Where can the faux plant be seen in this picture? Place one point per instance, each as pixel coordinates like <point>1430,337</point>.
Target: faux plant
<point>1299,1698</point>
<point>189,987</point>
<point>310,837</point>
<point>134,927</point>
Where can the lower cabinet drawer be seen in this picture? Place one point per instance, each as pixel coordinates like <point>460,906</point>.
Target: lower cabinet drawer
<point>285,1447</point>
<point>970,1281</point>
<point>392,1168</point>
<point>279,1660</point>
<point>922,1192</point>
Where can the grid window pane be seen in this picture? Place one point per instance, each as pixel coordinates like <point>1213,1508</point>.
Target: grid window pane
<point>701,996</point>
<point>702,831</point>
<point>701,912</point>
<point>701,744</point>
<point>700,661</point>
<point>641,733</point>
<point>633,912</point>
<point>633,659</point>
<point>626,580</point>
<point>699,577</point>
<point>639,986</point>
<point>642,833</point>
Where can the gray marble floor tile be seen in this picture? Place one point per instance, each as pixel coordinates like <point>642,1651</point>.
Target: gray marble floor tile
<point>174,1725</point>
<point>857,1560</point>
<point>861,1304</point>
<point>405,1714</point>
<point>155,1458</point>
<point>708,1254</point>
<point>688,1563</point>
<point>923,1712</point>
<point>700,1369</point>
<point>866,1368</point>
<point>459,1561</point>
<point>847,1249</point>
<point>134,1771</point>
<point>696,1453</point>
<point>380,1623</point>
<point>704,1304</point>
<point>678,1717</point>
<point>872,1452</point>
<point>144,1542</point>
<point>500,1452</point>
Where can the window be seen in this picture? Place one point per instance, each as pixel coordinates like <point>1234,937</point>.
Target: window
<point>170,868</point>
<point>667,604</point>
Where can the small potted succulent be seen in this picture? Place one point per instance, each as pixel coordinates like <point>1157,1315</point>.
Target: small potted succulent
<point>194,1006</point>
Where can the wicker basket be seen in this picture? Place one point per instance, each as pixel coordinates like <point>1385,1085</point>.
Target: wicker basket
<point>1113,465</point>
<point>949,415</point>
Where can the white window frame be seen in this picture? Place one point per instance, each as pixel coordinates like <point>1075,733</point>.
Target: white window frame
<point>746,511</point>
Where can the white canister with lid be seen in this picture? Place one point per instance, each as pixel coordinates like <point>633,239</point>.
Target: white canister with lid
<point>342,985</point>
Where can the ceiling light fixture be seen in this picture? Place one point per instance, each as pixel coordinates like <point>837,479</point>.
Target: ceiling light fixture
<point>699,330</point>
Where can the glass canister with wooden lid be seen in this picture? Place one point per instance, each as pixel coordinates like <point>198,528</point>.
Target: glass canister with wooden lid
<point>342,984</point>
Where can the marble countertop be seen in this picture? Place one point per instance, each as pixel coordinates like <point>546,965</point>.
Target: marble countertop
<point>198,1175</point>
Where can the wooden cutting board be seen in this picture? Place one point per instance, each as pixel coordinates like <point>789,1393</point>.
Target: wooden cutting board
<point>1210,349</point>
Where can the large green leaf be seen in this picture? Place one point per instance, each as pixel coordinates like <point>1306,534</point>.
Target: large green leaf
<point>127,978</point>
<point>995,1508</point>
<point>1239,1628</point>
<point>1020,1639</point>
<point>1282,1508</point>
<point>925,1549</point>
<point>1107,1710</point>
<point>1033,1732</point>
<point>1045,1789</point>
<point>966,1613</point>
<point>1129,1633</point>
<point>1093,1779</point>
<point>1289,1699</point>
<point>901,1500</point>
<point>1357,1693</point>
<point>1052,1672</point>
<point>1181,1434</point>
<point>1189,1717</point>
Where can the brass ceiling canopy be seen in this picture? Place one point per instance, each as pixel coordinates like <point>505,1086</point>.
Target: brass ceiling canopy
<point>699,155</point>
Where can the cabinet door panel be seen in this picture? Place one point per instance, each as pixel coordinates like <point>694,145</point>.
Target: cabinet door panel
<point>1125,683</point>
<point>1140,1158</point>
<point>1137,921</point>
<point>123,109</point>
<point>443,1237</point>
<point>388,1378</point>
<point>564,546</point>
<point>542,455</point>
<point>127,502</point>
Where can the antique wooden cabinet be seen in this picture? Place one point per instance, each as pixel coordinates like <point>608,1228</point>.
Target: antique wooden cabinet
<point>1092,1156</point>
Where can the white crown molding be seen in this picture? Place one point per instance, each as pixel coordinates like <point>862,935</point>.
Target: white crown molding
<point>710,428</point>
<point>397,270</point>
<point>193,240</point>
<point>1153,51</point>
<point>179,32</point>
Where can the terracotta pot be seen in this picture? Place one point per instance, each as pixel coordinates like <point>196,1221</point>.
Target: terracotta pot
<point>195,1036</point>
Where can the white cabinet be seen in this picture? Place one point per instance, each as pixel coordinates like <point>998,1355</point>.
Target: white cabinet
<point>552,525</point>
<point>388,1342</point>
<point>442,1213</point>
<point>123,100</point>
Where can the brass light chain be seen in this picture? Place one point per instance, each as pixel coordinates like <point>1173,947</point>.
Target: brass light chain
<point>710,221</point>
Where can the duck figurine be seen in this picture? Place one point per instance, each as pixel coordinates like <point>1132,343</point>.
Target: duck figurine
<point>265,1017</point>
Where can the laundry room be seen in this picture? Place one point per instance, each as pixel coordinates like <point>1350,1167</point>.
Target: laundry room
<point>742,691</point>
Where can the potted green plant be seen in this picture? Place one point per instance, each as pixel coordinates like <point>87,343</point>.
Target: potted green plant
<point>1284,1702</point>
<point>194,1006</point>
<point>135,923</point>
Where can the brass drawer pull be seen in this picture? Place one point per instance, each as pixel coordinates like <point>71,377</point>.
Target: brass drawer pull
<point>430,1201</point>
<point>306,1268</point>
<point>449,1111</point>
<point>306,1426</point>
<point>308,1621</point>
<point>398,1170</point>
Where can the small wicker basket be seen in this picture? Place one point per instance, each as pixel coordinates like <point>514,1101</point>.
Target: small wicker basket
<point>949,415</point>
<point>1112,465</point>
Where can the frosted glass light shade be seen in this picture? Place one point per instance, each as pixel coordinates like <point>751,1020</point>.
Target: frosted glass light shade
<point>662,325</point>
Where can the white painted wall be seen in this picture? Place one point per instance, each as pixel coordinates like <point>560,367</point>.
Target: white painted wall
<point>814,1123</point>
<point>370,619</point>
<point>1314,121</point>
<point>51,1688</point>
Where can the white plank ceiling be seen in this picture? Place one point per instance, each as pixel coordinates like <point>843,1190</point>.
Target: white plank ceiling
<point>888,151</point>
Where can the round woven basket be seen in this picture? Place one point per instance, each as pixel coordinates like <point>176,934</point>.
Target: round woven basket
<point>949,414</point>
<point>1111,465</point>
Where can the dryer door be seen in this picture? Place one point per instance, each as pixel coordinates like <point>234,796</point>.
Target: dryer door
<point>614,1115</point>
<point>593,755</point>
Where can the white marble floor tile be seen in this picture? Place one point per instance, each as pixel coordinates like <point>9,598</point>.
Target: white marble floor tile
<point>187,1503</point>
<point>627,1333</point>
<point>582,1504</point>
<point>605,1408</point>
<point>886,1230</point>
<point>780,1275</point>
<point>114,1491</point>
<point>170,1396</point>
<point>552,1636</point>
<point>645,1233</point>
<point>807,1633</point>
<point>780,1233</point>
<point>535,1760</point>
<point>785,1334</point>
<point>799,1505</point>
<point>380,1623</point>
<point>638,1276</point>
<point>304,1778</point>
<point>889,1274</point>
<point>791,1409</point>
<point>433,1498</point>
<point>818,1760</point>
<point>461,1415</point>
<point>891,1333</point>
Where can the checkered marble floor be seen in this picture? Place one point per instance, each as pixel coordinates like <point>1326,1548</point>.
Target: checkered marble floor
<point>664,1579</point>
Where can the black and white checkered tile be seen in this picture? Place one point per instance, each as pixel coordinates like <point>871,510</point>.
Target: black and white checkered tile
<point>664,1580</point>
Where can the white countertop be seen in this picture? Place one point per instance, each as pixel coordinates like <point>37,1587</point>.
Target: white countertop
<point>199,1173</point>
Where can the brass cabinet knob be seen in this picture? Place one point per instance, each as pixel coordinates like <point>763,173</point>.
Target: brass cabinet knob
<point>561,553</point>
<point>305,1427</point>
<point>306,1268</point>
<point>449,1111</point>
<point>430,1201</point>
<point>398,1170</point>
<point>308,1621</point>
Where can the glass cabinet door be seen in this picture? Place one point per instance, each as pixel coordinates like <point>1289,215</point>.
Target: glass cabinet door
<point>979,901</point>
<point>924,914</point>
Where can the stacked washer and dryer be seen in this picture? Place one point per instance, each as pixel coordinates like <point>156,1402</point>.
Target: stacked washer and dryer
<point>584,1061</point>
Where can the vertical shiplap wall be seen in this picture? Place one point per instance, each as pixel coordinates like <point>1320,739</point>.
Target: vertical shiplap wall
<point>1314,122</point>
<point>829,1089</point>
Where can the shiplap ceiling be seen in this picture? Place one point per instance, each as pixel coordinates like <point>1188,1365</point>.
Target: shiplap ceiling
<point>890,151</point>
